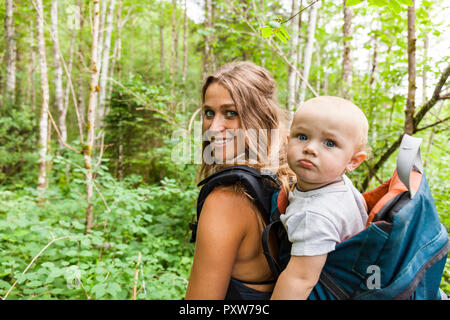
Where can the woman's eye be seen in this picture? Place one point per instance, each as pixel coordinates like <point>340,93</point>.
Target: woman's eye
<point>330,143</point>
<point>302,137</point>
<point>209,113</point>
<point>231,113</point>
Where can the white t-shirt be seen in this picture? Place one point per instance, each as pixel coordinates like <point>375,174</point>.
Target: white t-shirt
<point>318,219</point>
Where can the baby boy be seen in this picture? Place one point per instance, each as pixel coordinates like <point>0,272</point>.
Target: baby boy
<point>327,139</point>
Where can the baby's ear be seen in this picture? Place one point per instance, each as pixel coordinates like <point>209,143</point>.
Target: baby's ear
<point>356,160</point>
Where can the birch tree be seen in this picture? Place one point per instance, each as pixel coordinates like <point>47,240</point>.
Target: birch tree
<point>43,118</point>
<point>309,49</point>
<point>105,60</point>
<point>347,67</point>
<point>410,101</point>
<point>59,96</point>
<point>91,112</point>
<point>293,57</point>
<point>185,44</point>
<point>207,67</point>
<point>10,53</point>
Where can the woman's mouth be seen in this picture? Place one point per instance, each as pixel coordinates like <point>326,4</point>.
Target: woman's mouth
<point>219,142</point>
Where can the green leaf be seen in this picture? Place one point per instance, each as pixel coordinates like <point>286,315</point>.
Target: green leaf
<point>284,32</point>
<point>378,3</point>
<point>393,4</point>
<point>408,3</point>
<point>350,3</point>
<point>266,31</point>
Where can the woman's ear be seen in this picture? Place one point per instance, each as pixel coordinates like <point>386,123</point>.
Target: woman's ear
<point>356,160</point>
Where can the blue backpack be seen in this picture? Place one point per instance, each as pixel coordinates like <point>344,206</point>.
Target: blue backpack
<point>400,254</point>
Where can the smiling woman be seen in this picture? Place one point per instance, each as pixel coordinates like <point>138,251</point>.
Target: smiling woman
<point>238,102</point>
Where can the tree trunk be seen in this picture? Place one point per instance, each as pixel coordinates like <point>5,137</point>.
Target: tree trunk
<point>174,41</point>
<point>10,54</point>
<point>43,119</point>
<point>105,62</point>
<point>58,75</point>
<point>410,102</point>
<point>293,58</point>
<point>309,49</point>
<point>161,40</point>
<point>117,49</point>
<point>207,68</point>
<point>299,55</point>
<point>185,44</point>
<point>424,72</point>
<point>347,67</point>
<point>92,108</point>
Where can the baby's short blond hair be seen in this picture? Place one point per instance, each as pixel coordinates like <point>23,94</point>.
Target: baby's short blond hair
<point>344,104</point>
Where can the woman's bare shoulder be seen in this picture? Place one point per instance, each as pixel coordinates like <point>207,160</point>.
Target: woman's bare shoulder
<point>226,196</point>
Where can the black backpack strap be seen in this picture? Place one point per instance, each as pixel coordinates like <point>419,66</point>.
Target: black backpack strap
<point>256,184</point>
<point>273,264</point>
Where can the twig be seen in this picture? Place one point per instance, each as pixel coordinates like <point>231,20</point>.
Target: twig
<point>432,125</point>
<point>301,10</point>
<point>280,53</point>
<point>32,261</point>
<point>136,275</point>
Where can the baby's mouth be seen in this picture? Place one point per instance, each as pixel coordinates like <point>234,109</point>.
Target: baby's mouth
<point>306,164</point>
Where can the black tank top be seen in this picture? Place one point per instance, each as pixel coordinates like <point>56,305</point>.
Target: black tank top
<point>237,290</point>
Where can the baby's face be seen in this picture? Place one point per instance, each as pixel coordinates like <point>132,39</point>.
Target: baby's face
<point>323,144</point>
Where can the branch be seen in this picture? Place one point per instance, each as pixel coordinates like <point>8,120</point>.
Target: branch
<point>280,53</point>
<point>32,261</point>
<point>434,98</point>
<point>417,119</point>
<point>432,125</point>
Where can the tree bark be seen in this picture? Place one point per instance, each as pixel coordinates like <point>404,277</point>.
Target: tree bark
<point>105,61</point>
<point>10,53</point>
<point>347,67</point>
<point>91,112</point>
<point>309,49</point>
<point>43,119</point>
<point>185,44</point>
<point>410,102</point>
<point>162,61</point>
<point>207,67</point>
<point>293,55</point>
<point>299,55</point>
<point>58,75</point>
<point>174,41</point>
<point>424,72</point>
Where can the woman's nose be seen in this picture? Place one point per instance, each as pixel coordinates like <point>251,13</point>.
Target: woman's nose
<point>217,124</point>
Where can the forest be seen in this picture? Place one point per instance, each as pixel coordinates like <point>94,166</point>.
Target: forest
<point>96,95</point>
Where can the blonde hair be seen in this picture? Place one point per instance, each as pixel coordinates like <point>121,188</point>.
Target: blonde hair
<point>253,91</point>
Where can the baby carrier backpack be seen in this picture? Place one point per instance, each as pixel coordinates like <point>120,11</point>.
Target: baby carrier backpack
<point>400,254</point>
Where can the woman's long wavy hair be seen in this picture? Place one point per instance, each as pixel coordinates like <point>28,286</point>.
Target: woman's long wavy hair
<point>253,91</point>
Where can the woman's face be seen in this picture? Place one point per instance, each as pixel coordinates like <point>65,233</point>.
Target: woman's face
<point>221,123</point>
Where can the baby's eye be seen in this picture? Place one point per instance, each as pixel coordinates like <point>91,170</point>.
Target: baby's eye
<point>302,137</point>
<point>330,143</point>
<point>209,113</point>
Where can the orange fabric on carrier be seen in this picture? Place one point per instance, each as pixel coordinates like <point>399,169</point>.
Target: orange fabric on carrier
<point>378,197</point>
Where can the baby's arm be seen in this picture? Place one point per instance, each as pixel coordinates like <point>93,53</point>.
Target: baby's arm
<point>299,277</point>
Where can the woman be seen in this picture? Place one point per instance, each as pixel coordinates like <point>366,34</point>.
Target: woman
<point>239,106</point>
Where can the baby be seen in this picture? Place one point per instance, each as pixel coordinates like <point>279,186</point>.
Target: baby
<point>328,138</point>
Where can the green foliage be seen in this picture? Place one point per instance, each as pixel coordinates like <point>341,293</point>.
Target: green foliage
<point>151,220</point>
<point>18,138</point>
